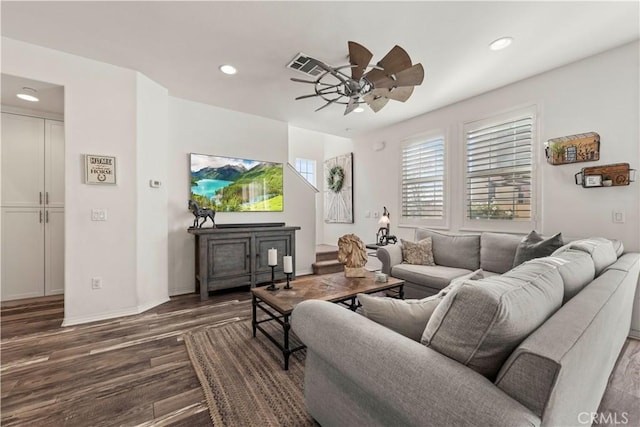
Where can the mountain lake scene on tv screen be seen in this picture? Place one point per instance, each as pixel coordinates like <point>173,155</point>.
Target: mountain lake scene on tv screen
<point>236,185</point>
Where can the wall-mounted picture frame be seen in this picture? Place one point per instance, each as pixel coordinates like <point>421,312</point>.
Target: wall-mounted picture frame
<point>227,184</point>
<point>593,180</point>
<point>338,195</point>
<point>100,169</point>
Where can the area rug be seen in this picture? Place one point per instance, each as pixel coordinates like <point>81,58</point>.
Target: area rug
<point>243,380</point>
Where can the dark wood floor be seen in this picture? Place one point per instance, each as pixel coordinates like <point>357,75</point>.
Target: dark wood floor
<point>135,370</point>
<point>129,371</point>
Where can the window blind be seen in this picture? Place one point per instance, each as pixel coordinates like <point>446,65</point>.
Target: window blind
<point>499,170</point>
<point>423,179</point>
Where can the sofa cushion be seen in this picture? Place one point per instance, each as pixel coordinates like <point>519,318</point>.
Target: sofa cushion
<point>433,276</point>
<point>618,247</point>
<point>419,253</point>
<point>576,269</point>
<point>497,251</point>
<point>601,251</point>
<point>481,322</point>
<point>407,317</point>
<point>534,245</point>
<point>453,250</point>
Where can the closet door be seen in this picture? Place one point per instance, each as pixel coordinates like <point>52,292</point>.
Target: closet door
<point>54,251</point>
<point>22,161</point>
<point>54,163</point>
<point>22,253</point>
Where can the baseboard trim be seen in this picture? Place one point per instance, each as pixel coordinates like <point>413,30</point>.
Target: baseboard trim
<point>150,305</point>
<point>70,321</point>
<point>183,291</point>
<point>113,314</point>
<point>635,334</point>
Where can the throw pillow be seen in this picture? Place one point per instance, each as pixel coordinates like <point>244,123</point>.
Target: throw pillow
<point>408,317</point>
<point>535,246</point>
<point>420,253</point>
<point>479,324</point>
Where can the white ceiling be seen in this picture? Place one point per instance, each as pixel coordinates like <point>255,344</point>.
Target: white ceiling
<point>181,44</point>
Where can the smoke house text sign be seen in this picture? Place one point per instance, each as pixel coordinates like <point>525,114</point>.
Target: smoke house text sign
<point>100,169</point>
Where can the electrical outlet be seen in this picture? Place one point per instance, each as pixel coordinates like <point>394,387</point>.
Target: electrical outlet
<point>98,214</point>
<point>376,214</point>
<point>96,283</point>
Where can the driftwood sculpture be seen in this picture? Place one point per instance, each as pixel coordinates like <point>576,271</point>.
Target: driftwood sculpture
<point>352,253</point>
<point>199,212</point>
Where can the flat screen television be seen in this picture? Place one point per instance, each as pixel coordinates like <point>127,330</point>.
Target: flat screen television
<point>228,184</point>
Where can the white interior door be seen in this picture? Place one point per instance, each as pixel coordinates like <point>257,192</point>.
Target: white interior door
<point>22,161</point>
<point>22,253</point>
<point>54,251</point>
<point>54,164</point>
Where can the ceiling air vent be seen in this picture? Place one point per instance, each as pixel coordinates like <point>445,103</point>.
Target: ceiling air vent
<point>305,64</point>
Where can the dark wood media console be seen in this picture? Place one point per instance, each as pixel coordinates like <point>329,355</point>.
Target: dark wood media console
<point>237,255</point>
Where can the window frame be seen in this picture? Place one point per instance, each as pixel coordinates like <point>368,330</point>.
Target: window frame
<point>413,222</point>
<point>304,174</point>
<point>503,225</point>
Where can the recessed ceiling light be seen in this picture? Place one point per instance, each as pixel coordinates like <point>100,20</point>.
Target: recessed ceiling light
<point>228,69</point>
<point>358,110</point>
<point>28,94</point>
<point>501,43</point>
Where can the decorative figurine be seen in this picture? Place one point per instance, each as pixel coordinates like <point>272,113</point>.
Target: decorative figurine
<point>352,253</point>
<point>199,212</point>
<point>383,237</point>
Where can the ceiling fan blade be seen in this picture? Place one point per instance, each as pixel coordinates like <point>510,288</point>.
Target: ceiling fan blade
<point>376,77</point>
<point>411,76</point>
<point>359,57</point>
<point>375,103</point>
<point>396,60</point>
<point>397,94</point>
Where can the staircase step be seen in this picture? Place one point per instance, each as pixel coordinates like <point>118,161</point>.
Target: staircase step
<point>326,253</point>
<point>327,267</point>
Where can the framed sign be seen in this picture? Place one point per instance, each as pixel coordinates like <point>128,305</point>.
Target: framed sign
<point>100,169</point>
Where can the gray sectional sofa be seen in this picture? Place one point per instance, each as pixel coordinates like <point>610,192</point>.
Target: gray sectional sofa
<point>455,255</point>
<point>533,346</point>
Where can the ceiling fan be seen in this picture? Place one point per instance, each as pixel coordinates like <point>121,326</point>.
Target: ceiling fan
<point>393,77</point>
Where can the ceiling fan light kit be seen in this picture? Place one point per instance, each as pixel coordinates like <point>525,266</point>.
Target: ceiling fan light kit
<point>393,77</point>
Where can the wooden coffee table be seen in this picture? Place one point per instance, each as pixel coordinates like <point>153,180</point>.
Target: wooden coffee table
<point>337,288</point>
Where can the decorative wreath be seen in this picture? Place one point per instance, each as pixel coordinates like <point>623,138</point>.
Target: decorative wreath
<point>336,178</point>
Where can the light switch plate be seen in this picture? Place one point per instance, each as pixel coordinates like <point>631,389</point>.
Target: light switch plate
<point>618,217</point>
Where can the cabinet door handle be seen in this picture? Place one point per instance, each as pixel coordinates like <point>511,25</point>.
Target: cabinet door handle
<point>46,198</point>
<point>40,198</point>
<point>40,217</point>
<point>46,216</point>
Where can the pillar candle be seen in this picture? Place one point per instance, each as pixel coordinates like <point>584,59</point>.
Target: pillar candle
<point>288,264</point>
<point>273,256</point>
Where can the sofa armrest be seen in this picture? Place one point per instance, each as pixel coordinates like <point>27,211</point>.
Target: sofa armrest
<point>417,382</point>
<point>389,256</point>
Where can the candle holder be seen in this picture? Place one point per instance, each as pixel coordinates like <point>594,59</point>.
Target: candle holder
<point>288,286</point>
<point>272,286</point>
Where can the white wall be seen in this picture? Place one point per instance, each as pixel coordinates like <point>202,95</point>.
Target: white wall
<point>200,128</point>
<point>152,151</point>
<point>308,144</point>
<point>100,118</point>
